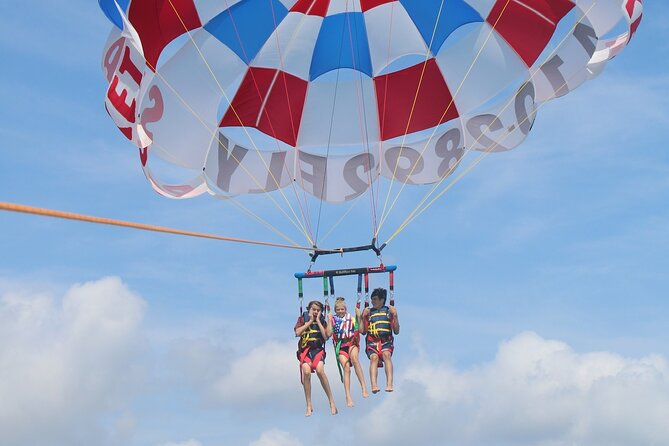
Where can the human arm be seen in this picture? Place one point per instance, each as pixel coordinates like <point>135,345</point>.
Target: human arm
<point>364,321</point>
<point>329,327</point>
<point>396,320</point>
<point>326,331</point>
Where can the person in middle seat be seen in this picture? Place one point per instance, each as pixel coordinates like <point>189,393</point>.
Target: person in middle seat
<point>346,338</point>
<point>379,323</point>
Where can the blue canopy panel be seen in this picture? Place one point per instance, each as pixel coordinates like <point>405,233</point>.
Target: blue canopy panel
<point>245,26</point>
<point>342,43</point>
<point>425,13</point>
<point>110,10</point>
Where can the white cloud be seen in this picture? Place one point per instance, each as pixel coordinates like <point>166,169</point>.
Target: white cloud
<point>535,392</point>
<point>64,363</point>
<point>198,362</point>
<point>269,371</point>
<point>185,443</point>
<point>276,437</point>
<point>266,375</point>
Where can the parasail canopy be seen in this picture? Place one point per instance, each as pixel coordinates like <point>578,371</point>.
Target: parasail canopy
<point>254,96</point>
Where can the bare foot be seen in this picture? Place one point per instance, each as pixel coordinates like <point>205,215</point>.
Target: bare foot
<point>309,412</point>
<point>333,410</point>
<point>375,390</point>
<point>364,393</point>
<point>349,403</point>
<point>389,389</point>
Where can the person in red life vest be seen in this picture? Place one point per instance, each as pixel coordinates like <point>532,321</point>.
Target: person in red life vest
<point>380,323</point>
<point>313,330</point>
<point>347,346</point>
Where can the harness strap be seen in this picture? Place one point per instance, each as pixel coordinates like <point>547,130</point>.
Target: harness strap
<point>300,294</point>
<point>337,350</point>
<point>391,275</point>
<point>357,304</point>
<point>366,290</point>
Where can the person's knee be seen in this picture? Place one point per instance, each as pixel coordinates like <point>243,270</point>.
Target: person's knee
<point>386,355</point>
<point>306,369</point>
<point>374,358</point>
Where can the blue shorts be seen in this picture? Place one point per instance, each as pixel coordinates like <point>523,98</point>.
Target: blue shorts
<point>378,346</point>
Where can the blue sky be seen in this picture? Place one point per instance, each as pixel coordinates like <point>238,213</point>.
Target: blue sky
<point>533,295</point>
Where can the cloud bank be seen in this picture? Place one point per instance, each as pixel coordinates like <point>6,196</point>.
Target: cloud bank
<point>276,437</point>
<point>65,363</point>
<point>185,443</point>
<point>70,368</point>
<point>534,392</point>
<point>225,376</point>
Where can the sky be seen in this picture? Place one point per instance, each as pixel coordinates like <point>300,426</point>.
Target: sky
<point>532,296</point>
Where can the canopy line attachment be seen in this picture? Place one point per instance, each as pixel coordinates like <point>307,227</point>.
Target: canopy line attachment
<point>371,247</point>
<point>362,273</point>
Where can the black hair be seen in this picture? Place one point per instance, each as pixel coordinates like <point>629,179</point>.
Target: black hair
<point>380,293</point>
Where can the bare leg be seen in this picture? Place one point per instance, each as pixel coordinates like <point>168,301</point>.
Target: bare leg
<point>358,369</point>
<point>306,382</point>
<point>320,372</point>
<point>373,371</point>
<point>388,364</point>
<point>346,365</point>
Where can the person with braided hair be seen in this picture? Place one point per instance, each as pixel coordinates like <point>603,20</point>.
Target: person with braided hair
<point>346,338</point>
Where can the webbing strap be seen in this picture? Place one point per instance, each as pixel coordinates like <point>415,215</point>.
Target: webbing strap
<point>392,287</point>
<point>300,295</point>
<point>357,304</point>
<point>332,291</point>
<point>337,350</point>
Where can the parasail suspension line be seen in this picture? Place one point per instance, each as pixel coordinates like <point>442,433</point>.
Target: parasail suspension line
<point>448,107</point>
<point>215,132</point>
<point>417,210</point>
<point>413,106</point>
